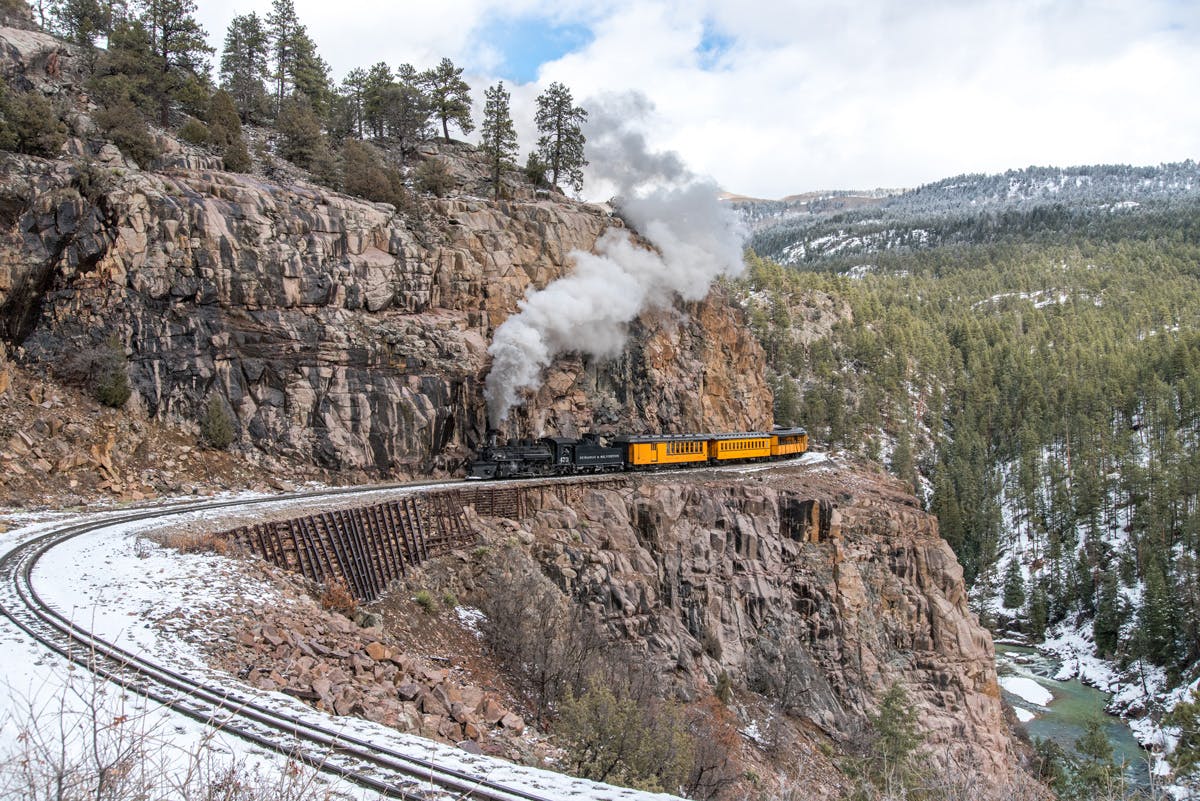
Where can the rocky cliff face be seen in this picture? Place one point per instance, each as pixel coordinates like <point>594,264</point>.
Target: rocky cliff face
<point>336,331</point>
<point>817,587</point>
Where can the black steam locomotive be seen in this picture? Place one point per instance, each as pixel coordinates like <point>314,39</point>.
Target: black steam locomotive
<point>548,456</point>
<point>564,456</point>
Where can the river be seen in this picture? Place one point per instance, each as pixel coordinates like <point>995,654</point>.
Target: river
<point>1064,718</point>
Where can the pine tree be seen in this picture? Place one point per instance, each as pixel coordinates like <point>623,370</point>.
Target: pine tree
<point>376,83</point>
<point>1038,613</point>
<point>283,27</point>
<point>310,74</point>
<point>497,133</point>
<point>301,139</point>
<point>180,53</point>
<point>902,459</point>
<point>1186,718</point>
<point>125,70</point>
<point>1106,625</point>
<point>81,22</point>
<point>891,765</point>
<point>1014,585</point>
<point>1156,630</point>
<point>354,90</point>
<point>561,143</point>
<point>406,115</point>
<point>225,132</point>
<point>298,68</point>
<point>535,171</point>
<point>1097,775</point>
<point>449,96</point>
<point>244,66</point>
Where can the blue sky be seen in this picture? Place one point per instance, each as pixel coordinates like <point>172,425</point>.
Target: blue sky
<point>527,42</point>
<point>775,97</point>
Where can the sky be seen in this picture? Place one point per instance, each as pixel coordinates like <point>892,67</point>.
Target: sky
<point>776,97</point>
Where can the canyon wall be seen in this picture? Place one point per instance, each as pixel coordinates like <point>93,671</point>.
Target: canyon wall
<point>818,587</point>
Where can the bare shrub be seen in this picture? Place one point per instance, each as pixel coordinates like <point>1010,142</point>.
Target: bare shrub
<point>549,645</point>
<point>337,598</point>
<point>102,369</point>
<point>605,702</point>
<point>94,741</point>
<point>716,750</point>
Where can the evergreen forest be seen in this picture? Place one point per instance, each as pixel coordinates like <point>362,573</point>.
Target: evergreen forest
<point>1032,370</point>
<point>268,103</point>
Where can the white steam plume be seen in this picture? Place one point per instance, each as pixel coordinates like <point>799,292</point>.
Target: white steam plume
<point>589,310</point>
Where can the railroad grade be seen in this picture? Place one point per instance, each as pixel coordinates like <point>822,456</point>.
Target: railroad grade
<point>370,765</point>
<point>367,764</point>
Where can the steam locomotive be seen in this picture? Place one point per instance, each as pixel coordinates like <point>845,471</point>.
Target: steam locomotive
<point>565,456</point>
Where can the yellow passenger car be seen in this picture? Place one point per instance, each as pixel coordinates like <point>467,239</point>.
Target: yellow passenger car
<point>649,451</point>
<point>750,445</point>
<point>787,442</point>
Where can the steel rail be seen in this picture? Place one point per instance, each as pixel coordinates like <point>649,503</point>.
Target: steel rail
<point>346,756</point>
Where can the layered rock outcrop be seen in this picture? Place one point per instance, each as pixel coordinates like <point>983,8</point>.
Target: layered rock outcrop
<point>819,587</point>
<point>335,331</point>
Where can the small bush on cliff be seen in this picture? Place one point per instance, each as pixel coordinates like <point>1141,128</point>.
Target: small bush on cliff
<point>225,132</point>
<point>109,374</point>
<point>535,171</point>
<point>890,764</point>
<point>237,158</point>
<point>122,124</point>
<point>301,140</point>
<point>434,177</point>
<point>100,369</point>
<point>424,599</point>
<point>194,132</point>
<point>337,598</point>
<point>29,123</point>
<point>611,737</point>
<point>216,426</point>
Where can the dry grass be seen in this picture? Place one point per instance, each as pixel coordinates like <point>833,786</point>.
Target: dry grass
<point>197,542</point>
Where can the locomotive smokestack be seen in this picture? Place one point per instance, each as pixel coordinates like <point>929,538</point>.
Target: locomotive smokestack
<point>589,310</point>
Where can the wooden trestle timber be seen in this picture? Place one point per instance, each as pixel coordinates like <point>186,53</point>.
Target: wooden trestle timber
<point>367,547</point>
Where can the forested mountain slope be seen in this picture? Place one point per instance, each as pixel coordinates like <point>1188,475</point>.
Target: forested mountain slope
<point>1035,369</point>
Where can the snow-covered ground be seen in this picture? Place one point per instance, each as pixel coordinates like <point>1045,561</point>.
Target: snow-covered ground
<point>127,589</point>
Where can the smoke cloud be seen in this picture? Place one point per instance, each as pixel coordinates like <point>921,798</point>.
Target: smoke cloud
<point>590,309</point>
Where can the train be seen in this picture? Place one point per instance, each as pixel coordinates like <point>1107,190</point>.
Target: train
<point>568,456</point>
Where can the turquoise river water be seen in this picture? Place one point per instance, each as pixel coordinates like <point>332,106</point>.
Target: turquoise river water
<point>1065,718</point>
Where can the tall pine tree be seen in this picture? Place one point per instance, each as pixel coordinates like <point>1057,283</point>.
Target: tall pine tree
<point>560,144</point>
<point>180,54</point>
<point>498,135</point>
<point>244,66</point>
<point>299,70</point>
<point>449,96</point>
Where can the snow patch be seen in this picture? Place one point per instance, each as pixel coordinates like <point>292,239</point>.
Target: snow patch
<point>1027,690</point>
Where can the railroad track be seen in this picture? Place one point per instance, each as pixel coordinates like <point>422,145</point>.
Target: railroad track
<point>380,768</point>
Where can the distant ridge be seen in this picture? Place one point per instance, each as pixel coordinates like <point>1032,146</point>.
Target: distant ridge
<point>811,225</point>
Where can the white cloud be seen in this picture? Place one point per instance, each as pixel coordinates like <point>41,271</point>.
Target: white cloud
<point>816,94</point>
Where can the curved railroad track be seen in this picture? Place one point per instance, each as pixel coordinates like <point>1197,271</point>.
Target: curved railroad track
<point>371,765</point>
